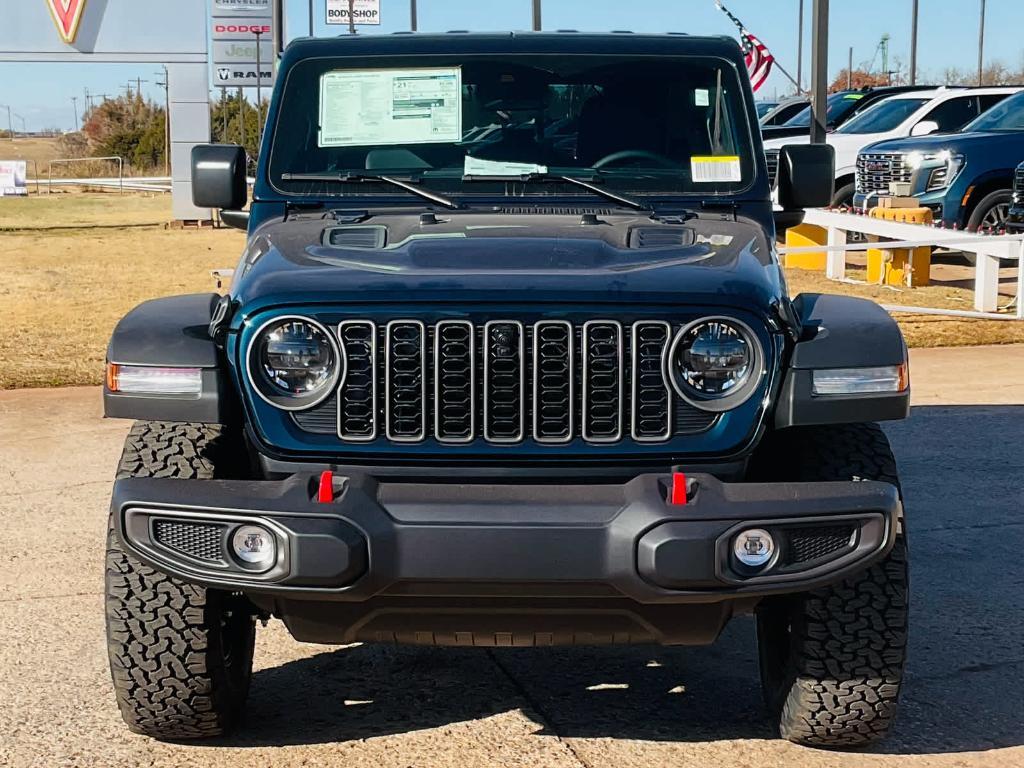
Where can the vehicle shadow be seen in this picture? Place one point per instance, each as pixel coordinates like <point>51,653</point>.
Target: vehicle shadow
<point>963,477</point>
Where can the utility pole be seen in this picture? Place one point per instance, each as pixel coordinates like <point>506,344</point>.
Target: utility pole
<point>913,44</point>
<point>819,71</point>
<point>24,130</point>
<point>413,21</point>
<point>312,28</point>
<point>849,71</point>
<point>536,16</point>
<point>74,103</point>
<point>167,120</point>
<point>138,86</point>
<point>277,29</point>
<point>10,124</point>
<point>981,45</point>
<point>351,17</point>
<point>800,50</point>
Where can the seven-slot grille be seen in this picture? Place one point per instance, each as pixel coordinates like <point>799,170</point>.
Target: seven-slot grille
<point>504,382</point>
<point>877,170</point>
<point>1018,183</point>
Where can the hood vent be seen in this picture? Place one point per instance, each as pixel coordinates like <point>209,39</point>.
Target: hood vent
<point>370,238</point>
<point>534,210</point>
<point>660,237</point>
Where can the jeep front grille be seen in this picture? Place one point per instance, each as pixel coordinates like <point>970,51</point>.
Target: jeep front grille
<point>1018,182</point>
<point>504,382</point>
<point>877,170</point>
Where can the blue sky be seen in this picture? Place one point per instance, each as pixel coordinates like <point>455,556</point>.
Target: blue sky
<point>948,38</point>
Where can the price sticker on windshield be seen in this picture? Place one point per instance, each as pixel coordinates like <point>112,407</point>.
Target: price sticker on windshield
<point>712,169</point>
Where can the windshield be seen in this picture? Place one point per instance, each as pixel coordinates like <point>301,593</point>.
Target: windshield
<point>884,116</point>
<point>764,107</point>
<point>837,107</point>
<point>670,126</point>
<point>1008,115</point>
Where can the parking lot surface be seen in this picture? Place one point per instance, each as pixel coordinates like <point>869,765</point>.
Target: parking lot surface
<point>963,475</point>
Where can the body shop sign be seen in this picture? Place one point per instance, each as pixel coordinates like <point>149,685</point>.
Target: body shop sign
<point>363,11</point>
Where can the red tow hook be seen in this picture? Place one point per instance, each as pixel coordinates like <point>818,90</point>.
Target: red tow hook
<point>325,493</point>
<point>679,489</point>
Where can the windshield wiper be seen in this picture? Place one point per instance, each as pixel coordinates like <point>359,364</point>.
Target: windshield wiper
<point>556,178</point>
<point>408,186</point>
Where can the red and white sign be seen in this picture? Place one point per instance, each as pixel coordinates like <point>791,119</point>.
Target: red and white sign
<point>241,28</point>
<point>13,178</point>
<point>67,15</point>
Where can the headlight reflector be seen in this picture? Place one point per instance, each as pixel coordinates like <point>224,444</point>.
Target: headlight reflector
<point>715,363</point>
<point>294,362</point>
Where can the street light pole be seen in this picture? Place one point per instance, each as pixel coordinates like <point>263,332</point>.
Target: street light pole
<point>413,20</point>
<point>981,45</point>
<point>536,16</point>
<point>10,124</point>
<point>913,44</point>
<point>166,84</point>
<point>259,93</point>
<point>819,71</point>
<point>800,50</point>
<point>351,17</point>
<point>74,103</point>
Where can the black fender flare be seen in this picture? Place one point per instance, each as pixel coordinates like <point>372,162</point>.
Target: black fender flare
<point>171,332</point>
<point>840,332</point>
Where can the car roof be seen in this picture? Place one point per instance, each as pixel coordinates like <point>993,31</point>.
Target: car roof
<point>459,42</point>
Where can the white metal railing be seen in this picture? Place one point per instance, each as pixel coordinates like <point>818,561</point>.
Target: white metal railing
<point>988,250</point>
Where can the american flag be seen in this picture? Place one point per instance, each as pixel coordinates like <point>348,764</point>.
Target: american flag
<point>759,59</point>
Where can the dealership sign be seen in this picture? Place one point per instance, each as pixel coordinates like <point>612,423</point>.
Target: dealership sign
<point>238,29</point>
<point>13,178</point>
<point>363,11</point>
<point>67,15</point>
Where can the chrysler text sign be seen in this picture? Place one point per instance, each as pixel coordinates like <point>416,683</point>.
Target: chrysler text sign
<point>364,11</point>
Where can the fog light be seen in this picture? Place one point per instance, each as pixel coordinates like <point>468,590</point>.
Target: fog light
<point>754,548</point>
<point>254,545</point>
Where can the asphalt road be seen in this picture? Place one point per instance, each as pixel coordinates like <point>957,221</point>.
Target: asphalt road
<point>963,475</point>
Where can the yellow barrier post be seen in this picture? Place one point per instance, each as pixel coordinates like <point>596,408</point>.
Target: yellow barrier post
<point>802,236</point>
<point>901,266</point>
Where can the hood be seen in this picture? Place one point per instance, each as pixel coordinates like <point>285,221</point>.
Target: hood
<point>957,142</point>
<point>621,260</point>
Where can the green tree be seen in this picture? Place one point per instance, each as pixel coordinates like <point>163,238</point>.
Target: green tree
<point>227,117</point>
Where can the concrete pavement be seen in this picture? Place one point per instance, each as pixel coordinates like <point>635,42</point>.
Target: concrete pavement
<point>963,476</point>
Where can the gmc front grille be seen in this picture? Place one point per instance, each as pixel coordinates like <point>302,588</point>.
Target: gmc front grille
<point>877,170</point>
<point>504,382</point>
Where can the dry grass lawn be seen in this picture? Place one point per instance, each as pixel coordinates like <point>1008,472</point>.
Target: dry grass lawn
<point>38,150</point>
<point>73,264</point>
<point>63,290</point>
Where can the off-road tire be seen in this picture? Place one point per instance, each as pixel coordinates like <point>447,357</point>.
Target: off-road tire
<point>832,659</point>
<point>180,655</point>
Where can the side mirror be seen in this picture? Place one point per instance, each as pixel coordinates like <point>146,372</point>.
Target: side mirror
<point>807,175</point>
<point>218,177</point>
<point>925,128</point>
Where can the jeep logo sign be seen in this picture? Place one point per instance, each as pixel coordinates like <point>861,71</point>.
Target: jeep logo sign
<point>363,11</point>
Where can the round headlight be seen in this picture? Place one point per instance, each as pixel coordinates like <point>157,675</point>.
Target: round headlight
<point>294,363</point>
<point>715,364</point>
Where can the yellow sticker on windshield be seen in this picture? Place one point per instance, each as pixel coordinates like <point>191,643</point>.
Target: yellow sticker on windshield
<point>712,169</point>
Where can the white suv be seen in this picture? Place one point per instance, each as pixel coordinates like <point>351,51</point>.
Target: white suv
<point>914,113</point>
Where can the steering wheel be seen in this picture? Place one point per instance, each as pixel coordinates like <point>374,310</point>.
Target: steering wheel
<point>635,154</point>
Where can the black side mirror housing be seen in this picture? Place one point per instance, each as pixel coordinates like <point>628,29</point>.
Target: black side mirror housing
<point>807,175</point>
<point>218,177</point>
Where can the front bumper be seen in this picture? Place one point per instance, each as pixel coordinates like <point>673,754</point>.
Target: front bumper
<point>549,556</point>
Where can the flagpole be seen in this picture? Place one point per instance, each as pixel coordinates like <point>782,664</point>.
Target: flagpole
<point>738,23</point>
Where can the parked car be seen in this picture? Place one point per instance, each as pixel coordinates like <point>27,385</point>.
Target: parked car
<point>912,114</point>
<point>783,111</point>
<point>1015,217</point>
<point>526,392</point>
<point>966,178</point>
<point>840,107</point>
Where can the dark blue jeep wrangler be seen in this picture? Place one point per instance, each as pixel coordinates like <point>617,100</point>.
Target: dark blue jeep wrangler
<point>966,177</point>
<point>509,360</point>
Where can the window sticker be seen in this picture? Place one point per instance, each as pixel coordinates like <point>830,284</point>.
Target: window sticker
<point>701,97</point>
<point>477,166</point>
<point>380,107</point>
<point>715,169</point>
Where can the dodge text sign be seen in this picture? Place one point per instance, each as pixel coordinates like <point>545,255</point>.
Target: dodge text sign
<point>364,11</point>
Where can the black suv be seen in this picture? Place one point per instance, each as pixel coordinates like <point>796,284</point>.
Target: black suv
<point>508,360</point>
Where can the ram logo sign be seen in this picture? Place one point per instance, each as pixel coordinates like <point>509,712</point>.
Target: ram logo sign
<point>67,15</point>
